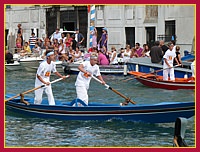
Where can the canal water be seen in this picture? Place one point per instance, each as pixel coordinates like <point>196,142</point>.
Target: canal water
<point>21,131</point>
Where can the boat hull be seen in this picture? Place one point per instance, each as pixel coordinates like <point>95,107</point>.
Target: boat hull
<point>144,65</point>
<point>153,81</point>
<point>34,67</point>
<point>165,85</point>
<point>148,113</point>
<point>30,62</point>
<point>13,66</point>
<point>104,69</point>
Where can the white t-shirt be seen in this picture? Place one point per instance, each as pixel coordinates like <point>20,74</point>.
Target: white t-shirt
<point>169,55</point>
<point>115,59</point>
<point>57,36</point>
<point>44,71</point>
<point>174,48</point>
<point>126,55</point>
<point>81,80</point>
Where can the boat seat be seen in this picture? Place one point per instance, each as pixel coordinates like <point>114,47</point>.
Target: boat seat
<point>148,76</point>
<point>78,103</point>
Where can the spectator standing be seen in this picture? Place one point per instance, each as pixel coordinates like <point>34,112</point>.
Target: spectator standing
<point>138,49</point>
<point>104,38</point>
<point>163,46</point>
<point>63,39</point>
<point>18,43</point>
<point>32,40</point>
<point>57,35</point>
<point>174,43</point>
<point>73,42</point>
<point>178,55</point>
<point>79,38</point>
<point>94,37</point>
<point>68,41</point>
<point>20,32</point>
<point>156,53</point>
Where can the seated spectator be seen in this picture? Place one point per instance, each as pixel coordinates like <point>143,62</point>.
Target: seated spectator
<point>133,53</point>
<point>113,59</point>
<point>102,59</point>
<point>61,47</point>
<point>120,53</point>
<point>105,52</point>
<point>77,55</point>
<point>120,57</point>
<point>127,53</point>
<point>37,50</point>
<point>26,49</point>
<point>9,57</point>
<point>70,54</point>
<point>138,49</point>
<point>91,49</point>
<point>47,41</point>
<point>87,56</point>
<point>146,51</point>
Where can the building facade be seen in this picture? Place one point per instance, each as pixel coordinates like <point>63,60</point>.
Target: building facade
<point>129,24</point>
<point>126,24</point>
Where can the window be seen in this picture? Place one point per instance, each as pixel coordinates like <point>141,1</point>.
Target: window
<point>8,6</point>
<point>170,30</point>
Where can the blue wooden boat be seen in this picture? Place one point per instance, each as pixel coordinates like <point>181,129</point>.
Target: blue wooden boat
<point>149,113</point>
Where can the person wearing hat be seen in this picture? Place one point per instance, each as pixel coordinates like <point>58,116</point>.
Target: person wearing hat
<point>104,38</point>
<point>79,37</point>
<point>43,78</point>
<point>87,69</point>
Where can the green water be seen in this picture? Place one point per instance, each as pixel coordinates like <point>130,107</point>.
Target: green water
<point>36,132</point>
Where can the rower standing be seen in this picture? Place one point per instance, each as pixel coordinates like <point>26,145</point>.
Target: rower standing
<point>43,78</point>
<point>87,69</point>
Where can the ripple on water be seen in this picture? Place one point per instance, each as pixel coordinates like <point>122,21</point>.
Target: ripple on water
<point>22,131</point>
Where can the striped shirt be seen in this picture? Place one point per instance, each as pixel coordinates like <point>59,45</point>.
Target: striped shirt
<point>32,40</point>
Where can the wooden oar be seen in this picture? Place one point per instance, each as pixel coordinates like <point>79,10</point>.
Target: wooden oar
<point>164,69</point>
<point>108,87</point>
<point>34,89</point>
